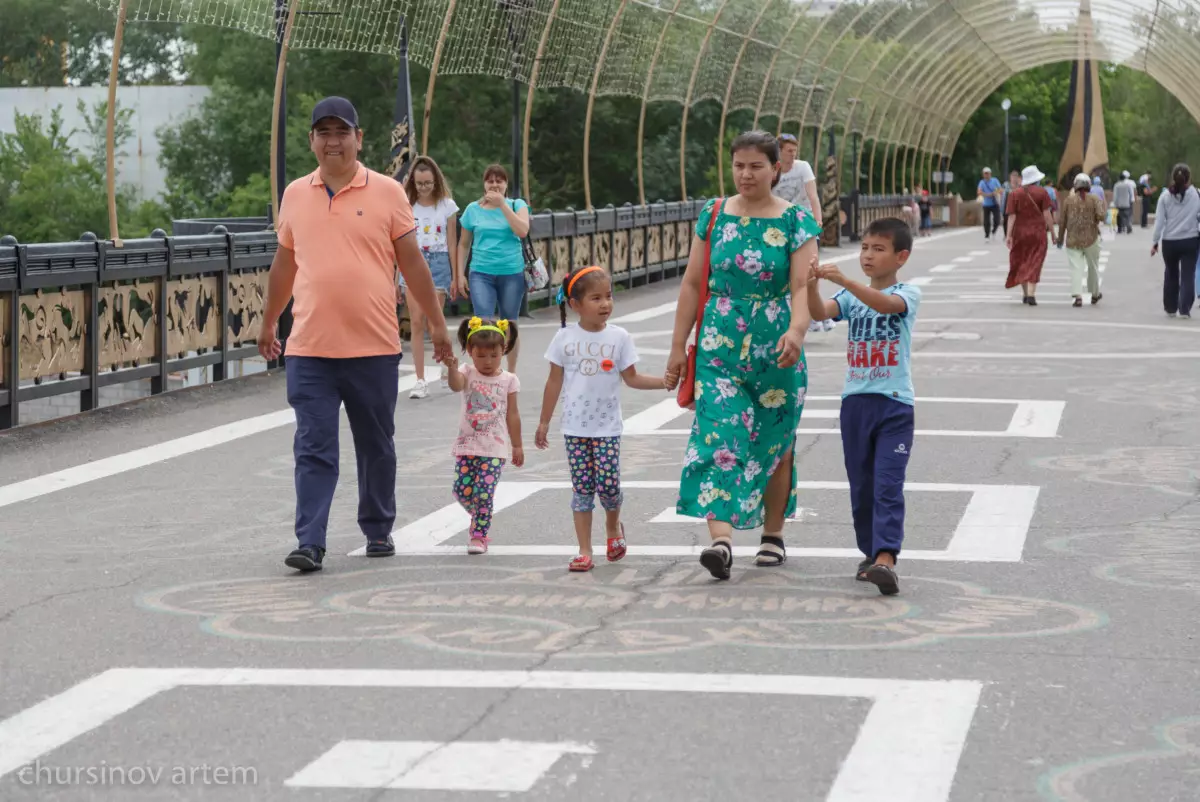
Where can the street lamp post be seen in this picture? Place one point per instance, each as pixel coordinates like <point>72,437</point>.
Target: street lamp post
<point>1006,105</point>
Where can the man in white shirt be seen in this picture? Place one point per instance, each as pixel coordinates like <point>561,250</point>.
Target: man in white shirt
<point>797,183</point>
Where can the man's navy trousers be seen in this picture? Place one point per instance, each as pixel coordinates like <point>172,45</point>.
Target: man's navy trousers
<point>316,388</point>
<point>877,438</point>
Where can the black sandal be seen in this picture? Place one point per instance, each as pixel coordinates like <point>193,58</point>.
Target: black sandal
<point>884,578</point>
<point>861,573</point>
<point>770,552</point>
<point>718,559</point>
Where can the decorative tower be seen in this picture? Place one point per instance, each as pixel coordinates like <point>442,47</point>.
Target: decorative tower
<point>1086,148</point>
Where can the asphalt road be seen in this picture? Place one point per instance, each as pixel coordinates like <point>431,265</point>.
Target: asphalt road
<point>154,646</point>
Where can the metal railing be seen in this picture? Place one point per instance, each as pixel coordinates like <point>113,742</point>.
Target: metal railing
<point>76,317</point>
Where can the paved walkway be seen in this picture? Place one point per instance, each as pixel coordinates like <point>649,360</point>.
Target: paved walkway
<point>1042,647</point>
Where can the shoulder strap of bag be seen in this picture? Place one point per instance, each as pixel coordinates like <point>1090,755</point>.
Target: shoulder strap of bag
<point>716,210</point>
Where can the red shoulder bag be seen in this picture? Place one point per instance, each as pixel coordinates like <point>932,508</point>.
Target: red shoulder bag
<point>687,382</point>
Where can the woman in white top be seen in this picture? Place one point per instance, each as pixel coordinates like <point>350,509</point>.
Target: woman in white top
<point>436,215</point>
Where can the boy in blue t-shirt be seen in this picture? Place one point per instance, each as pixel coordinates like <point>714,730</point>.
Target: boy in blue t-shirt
<point>877,402</point>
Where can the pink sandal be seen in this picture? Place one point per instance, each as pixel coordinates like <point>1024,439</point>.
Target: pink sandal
<point>616,546</point>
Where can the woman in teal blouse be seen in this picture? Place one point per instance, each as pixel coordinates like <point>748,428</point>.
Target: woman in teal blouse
<point>492,231</point>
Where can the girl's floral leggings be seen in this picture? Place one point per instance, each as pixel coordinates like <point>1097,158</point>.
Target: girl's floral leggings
<point>475,480</point>
<point>595,471</point>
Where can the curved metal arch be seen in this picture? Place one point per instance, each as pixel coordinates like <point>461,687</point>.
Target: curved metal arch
<point>762,92</point>
<point>737,62</point>
<point>641,135</point>
<point>687,102</point>
<point>832,92</point>
<point>110,135</point>
<point>841,76</point>
<point>902,130</point>
<point>925,52</point>
<point>280,71</point>
<point>587,122</point>
<point>969,94</point>
<point>787,96</point>
<point>526,175</point>
<point>433,72</point>
<point>919,46</point>
<point>1050,52</point>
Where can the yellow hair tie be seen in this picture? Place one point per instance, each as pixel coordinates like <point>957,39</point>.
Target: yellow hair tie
<point>503,326</point>
<point>474,323</point>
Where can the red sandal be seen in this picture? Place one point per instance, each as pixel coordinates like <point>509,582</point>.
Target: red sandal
<point>581,564</point>
<point>616,546</point>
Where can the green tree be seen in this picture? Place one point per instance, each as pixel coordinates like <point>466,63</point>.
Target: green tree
<point>51,190</point>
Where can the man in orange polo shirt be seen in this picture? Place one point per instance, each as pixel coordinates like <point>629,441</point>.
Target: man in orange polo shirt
<point>342,231</point>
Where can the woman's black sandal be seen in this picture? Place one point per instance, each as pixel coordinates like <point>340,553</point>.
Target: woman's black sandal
<point>718,559</point>
<point>770,552</point>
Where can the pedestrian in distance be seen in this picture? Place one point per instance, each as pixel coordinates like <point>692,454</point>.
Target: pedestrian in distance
<point>1177,228</point>
<point>489,429</point>
<point>436,214</point>
<point>877,415</point>
<point>1079,229</point>
<point>343,230</point>
<point>589,359</point>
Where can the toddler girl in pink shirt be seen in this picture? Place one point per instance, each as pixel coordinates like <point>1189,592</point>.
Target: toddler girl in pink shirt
<point>489,432</point>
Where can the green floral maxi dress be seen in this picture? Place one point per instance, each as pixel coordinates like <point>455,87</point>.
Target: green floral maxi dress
<point>747,407</point>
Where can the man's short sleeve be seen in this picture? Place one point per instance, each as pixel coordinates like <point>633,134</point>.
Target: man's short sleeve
<point>843,299</point>
<point>402,222</point>
<point>912,298</point>
<point>806,173</point>
<point>628,354</point>
<point>283,227</point>
<point>554,352</point>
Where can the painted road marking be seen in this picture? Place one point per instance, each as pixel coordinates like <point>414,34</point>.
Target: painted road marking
<point>500,767</point>
<point>942,268</point>
<point>140,458</point>
<point>907,749</point>
<point>1030,418</point>
<point>993,527</point>
<point>962,260</point>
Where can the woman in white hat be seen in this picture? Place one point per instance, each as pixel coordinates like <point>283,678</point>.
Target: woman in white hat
<point>1029,217</point>
<point>1079,227</point>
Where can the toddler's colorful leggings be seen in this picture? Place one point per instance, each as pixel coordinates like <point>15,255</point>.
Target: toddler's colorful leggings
<point>475,488</point>
<point>595,471</point>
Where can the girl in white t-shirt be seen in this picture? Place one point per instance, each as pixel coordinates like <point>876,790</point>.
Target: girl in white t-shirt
<point>435,213</point>
<point>489,431</point>
<point>588,361</point>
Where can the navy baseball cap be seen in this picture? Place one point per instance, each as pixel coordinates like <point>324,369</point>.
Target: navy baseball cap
<point>337,107</point>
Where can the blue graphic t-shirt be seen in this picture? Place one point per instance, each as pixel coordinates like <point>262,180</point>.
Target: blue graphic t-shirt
<point>988,187</point>
<point>880,346</point>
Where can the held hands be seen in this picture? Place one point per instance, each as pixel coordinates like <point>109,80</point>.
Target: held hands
<point>539,437</point>
<point>830,273</point>
<point>442,349</point>
<point>675,365</point>
<point>268,345</point>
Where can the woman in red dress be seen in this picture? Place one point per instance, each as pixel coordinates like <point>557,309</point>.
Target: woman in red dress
<point>1030,217</point>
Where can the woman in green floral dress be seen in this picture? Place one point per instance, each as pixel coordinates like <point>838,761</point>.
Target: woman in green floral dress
<point>751,376</point>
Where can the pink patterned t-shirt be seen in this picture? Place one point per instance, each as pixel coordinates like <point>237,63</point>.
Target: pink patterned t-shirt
<point>483,428</point>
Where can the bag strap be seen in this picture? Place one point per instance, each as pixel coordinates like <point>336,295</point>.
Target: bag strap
<point>716,210</point>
